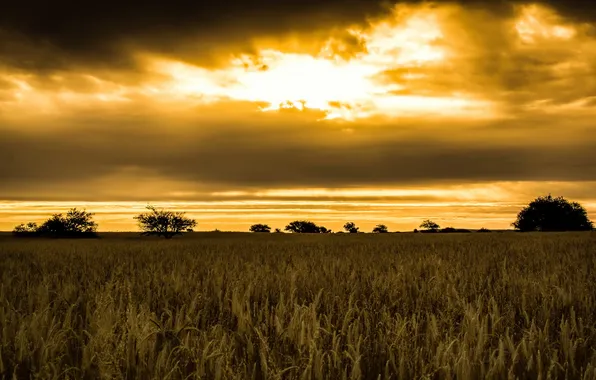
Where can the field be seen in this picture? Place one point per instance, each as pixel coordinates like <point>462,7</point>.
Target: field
<point>278,306</point>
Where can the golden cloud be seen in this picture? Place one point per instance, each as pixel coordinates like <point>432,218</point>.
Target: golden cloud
<point>416,61</point>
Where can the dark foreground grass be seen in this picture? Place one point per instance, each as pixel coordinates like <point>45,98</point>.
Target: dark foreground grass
<point>239,306</point>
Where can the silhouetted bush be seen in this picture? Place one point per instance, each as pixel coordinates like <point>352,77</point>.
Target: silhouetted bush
<point>304,227</point>
<point>261,228</point>
<point>429,226</point>
<point>552,214</point>
<point>452,230</point>
<point>26,230</point>
<point>484,230</point>
<point>380,229</point>
<point>351,228</point>
<point>164,223</point>
<point>75,224</point>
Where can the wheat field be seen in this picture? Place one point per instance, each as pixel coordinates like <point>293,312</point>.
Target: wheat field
<point>279,306</point>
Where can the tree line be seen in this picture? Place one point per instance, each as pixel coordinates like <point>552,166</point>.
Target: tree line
<point>546,213</point>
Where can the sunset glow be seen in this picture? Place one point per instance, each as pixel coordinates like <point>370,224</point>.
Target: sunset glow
<point>438,105</point>
<point>343,87</point>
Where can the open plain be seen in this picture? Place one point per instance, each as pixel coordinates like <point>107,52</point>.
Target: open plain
<point>282,306</point>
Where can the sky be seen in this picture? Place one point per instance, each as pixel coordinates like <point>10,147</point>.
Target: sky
<point>261,111</point>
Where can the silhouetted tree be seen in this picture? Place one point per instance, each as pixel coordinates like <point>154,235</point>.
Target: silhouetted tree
<point>553,214</point>
<point>380,229</point>
<point>351,227</point>
<point>303,227</point>
<point>29,229</point>
<point>278,231</point>
<point>260,228</point>
<point>324,230</point>
<point>76,223</point>
<point>164,223</point>
<point>430,226</point>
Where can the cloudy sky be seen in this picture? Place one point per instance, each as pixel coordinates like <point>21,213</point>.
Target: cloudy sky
<point>269,111</point>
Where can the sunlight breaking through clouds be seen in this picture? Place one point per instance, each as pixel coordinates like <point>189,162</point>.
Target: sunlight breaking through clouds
<point>537,23</point>
<point>417,61</point>
<point>436,98</point>
<point>343,87</point>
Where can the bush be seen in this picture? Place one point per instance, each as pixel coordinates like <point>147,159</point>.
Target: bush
<point>23,230</point>
<point>304,227</point>
<point>453,230</point>
<point>380,229</point>
<point>430,226</point>
<point>75,224</point>
<point>351,227</point>
<point>260,228</point>
<point>164,223</point>
<point>553,214</point>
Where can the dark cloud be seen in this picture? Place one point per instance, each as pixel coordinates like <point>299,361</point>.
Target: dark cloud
<point>59,46</point>
<point>101,32</point>
<point>44,36</point>
<point>231,157</point>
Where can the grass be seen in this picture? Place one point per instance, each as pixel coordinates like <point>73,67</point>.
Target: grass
<point>240,306</point>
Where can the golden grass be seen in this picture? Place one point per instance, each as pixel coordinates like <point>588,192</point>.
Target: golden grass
<point>239,306</point>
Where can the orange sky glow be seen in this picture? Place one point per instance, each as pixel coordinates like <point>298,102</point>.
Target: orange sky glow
<point>443,78</point>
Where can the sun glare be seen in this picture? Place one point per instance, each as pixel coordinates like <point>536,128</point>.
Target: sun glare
<point>342,87</point>
<point>395,66</point>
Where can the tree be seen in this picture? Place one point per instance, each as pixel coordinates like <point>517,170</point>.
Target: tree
<point>277,231</point>
<point>553,214</point>
<point>164,223</point>
<point>325,230</point>
<point>29,229</point>
<point>380,229</point>
<point>303,227</point>
<point>260,228</point>
<point>351,227</point>
<point>76,223</point>
<point>430,226</point>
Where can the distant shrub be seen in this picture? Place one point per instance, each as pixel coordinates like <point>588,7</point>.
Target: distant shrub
<point>262,228</point>
<point>351,228</point>
<point>75,224</point>
<point>484,230</point>
<point>164,223</point>
<point>29,229</point>
<point>380,229</point>
<point>452,230</point>
<point>430,226</point>
<point>304,227</point>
